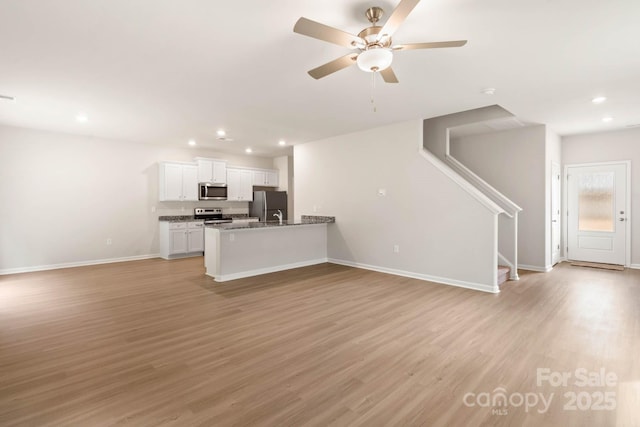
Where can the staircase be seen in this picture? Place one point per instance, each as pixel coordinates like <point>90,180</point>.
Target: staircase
<point>503,274</point>
<point>436,133</point>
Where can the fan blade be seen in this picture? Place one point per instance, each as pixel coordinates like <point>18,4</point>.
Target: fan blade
<point>389,76</point>
<point>333,66</point>
<point>310,28</point>
<point>432,45</point>
<point>397,17</point>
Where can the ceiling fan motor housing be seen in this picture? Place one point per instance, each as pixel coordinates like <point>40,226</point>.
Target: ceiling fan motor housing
<point>370,36</point>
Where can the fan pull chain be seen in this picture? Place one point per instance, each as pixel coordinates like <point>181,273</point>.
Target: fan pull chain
<point>373,88</point>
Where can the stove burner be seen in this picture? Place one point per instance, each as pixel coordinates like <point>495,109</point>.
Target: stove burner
<point>211,215</point>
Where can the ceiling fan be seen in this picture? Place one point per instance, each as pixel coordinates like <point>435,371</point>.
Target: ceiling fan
<point>373,44</point>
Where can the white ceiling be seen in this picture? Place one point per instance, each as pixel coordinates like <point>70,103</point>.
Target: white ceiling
<point>165,71</point>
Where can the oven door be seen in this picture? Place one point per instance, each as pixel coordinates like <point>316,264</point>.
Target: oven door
<point>210,191</point>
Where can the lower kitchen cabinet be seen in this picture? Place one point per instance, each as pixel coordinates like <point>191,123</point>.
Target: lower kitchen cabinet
<point>180,239</point>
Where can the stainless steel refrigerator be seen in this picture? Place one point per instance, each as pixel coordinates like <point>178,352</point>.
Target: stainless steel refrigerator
<point>267,203</point>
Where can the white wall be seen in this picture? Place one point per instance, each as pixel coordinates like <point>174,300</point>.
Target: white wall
<point>611,146</point>
<point>442,231</point>
<point>513,162</point>
<point>62,196</point>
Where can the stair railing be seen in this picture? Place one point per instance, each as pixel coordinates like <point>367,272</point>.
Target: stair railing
<point>507,221</point>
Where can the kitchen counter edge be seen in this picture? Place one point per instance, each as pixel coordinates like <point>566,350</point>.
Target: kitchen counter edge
<point>305,220</point>
<point>189,218</point>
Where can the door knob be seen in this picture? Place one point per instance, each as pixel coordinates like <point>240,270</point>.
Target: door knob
<point>621,219</point>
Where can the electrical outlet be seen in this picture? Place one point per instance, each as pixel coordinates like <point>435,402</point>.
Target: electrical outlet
<point>153,209</point>
<point>315,208</point>
<point>396,249</point>
<point>232,237</point>
<point>109,241</point>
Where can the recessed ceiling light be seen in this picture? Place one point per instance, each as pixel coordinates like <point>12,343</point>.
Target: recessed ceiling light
<point>7,98</point>
<point>282,142</point>
<point>221,133</point>
<point>599,99</point>
<point>82,118</point>
<point>192,142</point>
<point>607,119</point>
<point>489,90</point>
<point>248,151</point>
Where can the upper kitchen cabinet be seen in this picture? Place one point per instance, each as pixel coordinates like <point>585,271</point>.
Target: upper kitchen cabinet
<point>239,185</point>
<point>212,170</point>
<point>265,178</point>
<point>178,182</point>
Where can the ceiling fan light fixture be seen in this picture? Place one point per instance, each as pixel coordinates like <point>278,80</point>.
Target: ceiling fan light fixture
<point>375,59</point>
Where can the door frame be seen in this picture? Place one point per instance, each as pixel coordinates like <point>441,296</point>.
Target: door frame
<point>557,165</point>
<point>565,204</point>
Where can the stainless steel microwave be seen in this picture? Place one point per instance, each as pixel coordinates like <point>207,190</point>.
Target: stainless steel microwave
<point>210,191</point>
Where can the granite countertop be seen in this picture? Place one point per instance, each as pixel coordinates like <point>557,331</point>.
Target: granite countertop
<point>187,218</point>
<point>306,220</point>
<point>177,218</point>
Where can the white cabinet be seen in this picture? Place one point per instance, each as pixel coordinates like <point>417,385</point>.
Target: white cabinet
<point>178,182</point>
<point>265,178</point>
<point>239,185</point>
<point>179,239</point>
<point>195,234</point>
<point>212,170</point>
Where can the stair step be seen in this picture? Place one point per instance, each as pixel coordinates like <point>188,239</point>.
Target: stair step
<point>503,274</point>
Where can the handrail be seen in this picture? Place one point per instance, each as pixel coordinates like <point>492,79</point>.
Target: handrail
<point>507,204</point>
<point>462,183</point>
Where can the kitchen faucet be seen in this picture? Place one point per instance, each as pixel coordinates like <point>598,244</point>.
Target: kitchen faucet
<point>279,216</point>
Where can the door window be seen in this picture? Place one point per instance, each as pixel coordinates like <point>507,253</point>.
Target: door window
<point>595,202</point>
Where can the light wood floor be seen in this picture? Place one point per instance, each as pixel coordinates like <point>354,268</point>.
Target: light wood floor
<point>156,342</point>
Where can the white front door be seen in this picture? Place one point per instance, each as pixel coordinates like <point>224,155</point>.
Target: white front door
<point>555,213</point>
<point>597,213</point>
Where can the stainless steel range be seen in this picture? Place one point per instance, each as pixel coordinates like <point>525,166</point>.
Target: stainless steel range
<point>211,215</point>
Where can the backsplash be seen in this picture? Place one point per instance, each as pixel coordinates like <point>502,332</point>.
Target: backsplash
<point>186,208</point>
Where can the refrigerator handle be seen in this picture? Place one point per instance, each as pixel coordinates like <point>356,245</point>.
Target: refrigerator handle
<point>264,212</point>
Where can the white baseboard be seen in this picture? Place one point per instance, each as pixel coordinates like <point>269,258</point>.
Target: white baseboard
<point>535,268</point>
<point>75,264</point>
<point>442,280</point>
<point>259,271</point>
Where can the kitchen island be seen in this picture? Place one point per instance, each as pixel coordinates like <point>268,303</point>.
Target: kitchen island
<point>233,251</point>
